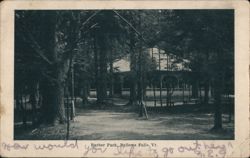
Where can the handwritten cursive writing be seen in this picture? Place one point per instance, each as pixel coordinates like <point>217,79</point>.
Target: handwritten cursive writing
<point>15,146</point>
<point>167,150</point>
<point>153,152</point>
<point>52,146</point>
<point>127,151</point>
<point>196,148</point>
<point>93,149</point>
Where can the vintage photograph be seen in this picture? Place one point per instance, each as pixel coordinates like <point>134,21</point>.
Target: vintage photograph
<point>147,74</point>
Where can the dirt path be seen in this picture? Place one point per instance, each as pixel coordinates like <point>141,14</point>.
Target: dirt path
<point>96,124</point>
<point>112,125</point>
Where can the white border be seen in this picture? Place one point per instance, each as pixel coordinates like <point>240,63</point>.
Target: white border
<point>241,142</point>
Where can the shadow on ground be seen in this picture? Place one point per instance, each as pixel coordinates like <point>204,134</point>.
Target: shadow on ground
<point>122,123</point>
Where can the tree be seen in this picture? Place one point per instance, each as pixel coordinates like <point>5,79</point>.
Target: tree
<point>206,38</point>
<point>52,36</point>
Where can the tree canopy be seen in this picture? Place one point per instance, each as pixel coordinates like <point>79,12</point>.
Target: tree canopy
<point>50,43</point>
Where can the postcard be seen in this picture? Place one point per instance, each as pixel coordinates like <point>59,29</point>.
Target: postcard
<point>124,78</point>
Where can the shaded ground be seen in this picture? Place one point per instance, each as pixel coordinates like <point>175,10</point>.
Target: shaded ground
<point>120,122</point>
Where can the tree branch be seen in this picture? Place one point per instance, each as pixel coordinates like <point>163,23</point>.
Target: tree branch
<point>38,49</point>
<point>137,32</point>
<point>88,19</point>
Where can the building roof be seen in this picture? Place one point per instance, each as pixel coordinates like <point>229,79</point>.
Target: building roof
<point>168,61</point>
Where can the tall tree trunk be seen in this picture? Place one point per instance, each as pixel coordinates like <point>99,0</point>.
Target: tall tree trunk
<point>53,94</point>
<point>102,43</point>
<point>133,87</point>
<point>195,88</point>
<point>34,99</point>
<point>217,104</point>
<point>72,81</point>
<point>200,91</point>
<point>159,54</point>
<point>111,84</point>
<point>167,95</point>
<point>218,89</point>
<point>141,78</point>
<point>140,87</point>
<point>73,98</point>
<point>206,89</point>
<point>183,92</point>
<point>133,67</point>
<point>60,71</point>
<point>96,66</point>
<point>84,92</point>
<point>53,102</point>
<point>47,104</point>
<point>24,110</point>
<point>58,94</point>
<point>161,91</point>
<point>154,93</point>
